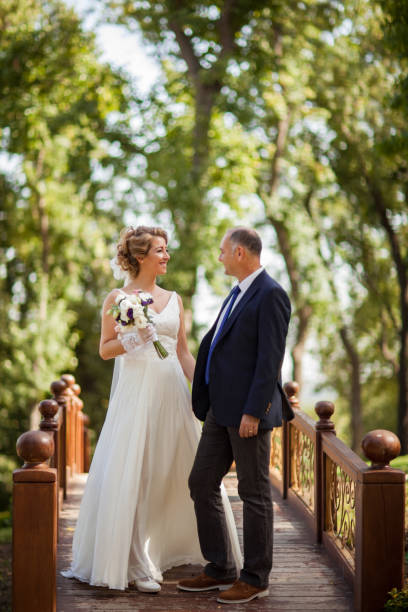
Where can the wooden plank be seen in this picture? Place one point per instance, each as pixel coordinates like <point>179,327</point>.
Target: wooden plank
<point>303,577</point>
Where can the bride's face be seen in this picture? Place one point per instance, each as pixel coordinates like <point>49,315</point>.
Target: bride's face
<point>157,257</point>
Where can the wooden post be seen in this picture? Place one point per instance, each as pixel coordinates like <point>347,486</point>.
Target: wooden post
<point>34,525</point>
<point>87,444</point>
<point>324,411</point>
<point>49,423</point>
<point>379,538</point>
<point>69,380</point>
<point>79,429</point>
<point>291,389</point>
<point>58,388</point>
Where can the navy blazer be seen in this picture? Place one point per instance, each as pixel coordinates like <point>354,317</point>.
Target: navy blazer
<point>246,360</point>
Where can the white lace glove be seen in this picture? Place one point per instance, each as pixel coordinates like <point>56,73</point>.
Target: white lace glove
<point>136,340</point>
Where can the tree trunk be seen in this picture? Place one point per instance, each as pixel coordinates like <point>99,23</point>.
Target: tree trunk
<point>43,281</point>
<point>355,391</point>
<point>402,380</point>
<point>355,405</point>
<point>204,103</point>
<point>304,314</point>
<point>401,266</point>
<point>303,310</point>
<point>45,253</point>
<point>207,84</point>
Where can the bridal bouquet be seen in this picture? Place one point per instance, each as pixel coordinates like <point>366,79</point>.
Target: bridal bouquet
<point>131,311</point>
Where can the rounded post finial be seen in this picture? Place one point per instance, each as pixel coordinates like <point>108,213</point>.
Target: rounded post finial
<point>35,448</point>
<point>57,387</point>
<point>380,447</point>
<point>291,389</point>
<point>324,411</point>
<point>48,409</point>
<point>76,389</point>
<point>68,379</point>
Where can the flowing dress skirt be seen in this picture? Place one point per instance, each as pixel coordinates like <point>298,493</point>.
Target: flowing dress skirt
<point>136,517</point>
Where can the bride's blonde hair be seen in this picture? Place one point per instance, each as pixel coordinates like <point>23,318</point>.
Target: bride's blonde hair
<point>135,242</point>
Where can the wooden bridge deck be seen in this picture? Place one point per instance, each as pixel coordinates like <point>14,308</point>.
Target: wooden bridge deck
<point>302,578</point>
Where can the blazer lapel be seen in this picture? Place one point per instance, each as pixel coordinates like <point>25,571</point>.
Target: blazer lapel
<point>212,329</point>
<point>248,295</point>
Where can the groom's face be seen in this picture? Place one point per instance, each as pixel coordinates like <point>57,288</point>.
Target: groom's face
<point>227,256</point>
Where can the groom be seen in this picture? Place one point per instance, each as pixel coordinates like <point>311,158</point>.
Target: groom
<point>237,392</point>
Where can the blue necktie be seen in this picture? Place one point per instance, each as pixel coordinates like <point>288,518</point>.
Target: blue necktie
<point>232,297</point>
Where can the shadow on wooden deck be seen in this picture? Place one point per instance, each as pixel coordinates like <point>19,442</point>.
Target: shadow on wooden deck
<point>302,577</point>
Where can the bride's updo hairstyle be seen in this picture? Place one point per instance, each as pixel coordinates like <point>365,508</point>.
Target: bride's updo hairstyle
<point>135,242</point>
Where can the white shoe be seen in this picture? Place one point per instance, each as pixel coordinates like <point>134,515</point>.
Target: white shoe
<point>147,585</point>
<point>67,574</point>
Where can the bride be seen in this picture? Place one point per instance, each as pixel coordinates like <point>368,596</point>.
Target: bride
<point>136,518</point>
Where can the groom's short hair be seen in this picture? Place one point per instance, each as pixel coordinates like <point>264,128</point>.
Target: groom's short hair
<point>247,238</point>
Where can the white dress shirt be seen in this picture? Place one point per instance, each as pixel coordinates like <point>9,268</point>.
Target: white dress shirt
<point>244,286</point>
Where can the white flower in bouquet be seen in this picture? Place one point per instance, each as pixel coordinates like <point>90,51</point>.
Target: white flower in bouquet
<point>131,311</point>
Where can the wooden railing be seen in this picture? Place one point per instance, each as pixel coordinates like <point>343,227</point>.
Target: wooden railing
<point>356,511</point>
<point>52,455</point>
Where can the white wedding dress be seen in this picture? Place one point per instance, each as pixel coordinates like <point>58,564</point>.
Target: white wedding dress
<point>136,517</point>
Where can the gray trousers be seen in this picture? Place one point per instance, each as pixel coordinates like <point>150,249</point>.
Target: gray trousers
<point>218,447</point>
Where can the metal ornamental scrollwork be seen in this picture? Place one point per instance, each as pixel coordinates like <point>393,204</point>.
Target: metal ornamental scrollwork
<point>302,464</point>
<point>341,514</point>
<point>276,449</point>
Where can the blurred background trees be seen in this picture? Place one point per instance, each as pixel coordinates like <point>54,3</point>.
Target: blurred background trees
<point>62,122</point>
<point>287,115</point>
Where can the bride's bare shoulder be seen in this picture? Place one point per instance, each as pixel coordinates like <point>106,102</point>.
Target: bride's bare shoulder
<point>164,295</point>
<point>111,297</point>
<point>166,292</point>
<point>180,301</point>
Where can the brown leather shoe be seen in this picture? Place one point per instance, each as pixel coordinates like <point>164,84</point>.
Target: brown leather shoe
<point>204,583</point>
<point>241,592</point>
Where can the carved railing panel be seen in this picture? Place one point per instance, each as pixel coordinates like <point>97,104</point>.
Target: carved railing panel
<point>355,510</point>
<point>276,451</point>
<point>341,509</point>
<point>302,466</point>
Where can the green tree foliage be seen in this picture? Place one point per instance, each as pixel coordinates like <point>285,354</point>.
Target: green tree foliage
<point>198,44</point>
<point>371,229</point>
<point>395,27</point>
<point>271,93</point>
<point>290,114</point>
<point>297,77</point>
<point>60,149</point>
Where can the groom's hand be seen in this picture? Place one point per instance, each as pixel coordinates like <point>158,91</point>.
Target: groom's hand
<point>249,426</point>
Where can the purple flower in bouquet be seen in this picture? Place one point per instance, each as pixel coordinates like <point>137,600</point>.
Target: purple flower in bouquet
<point>145,298</point>
<point>132,310</point>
